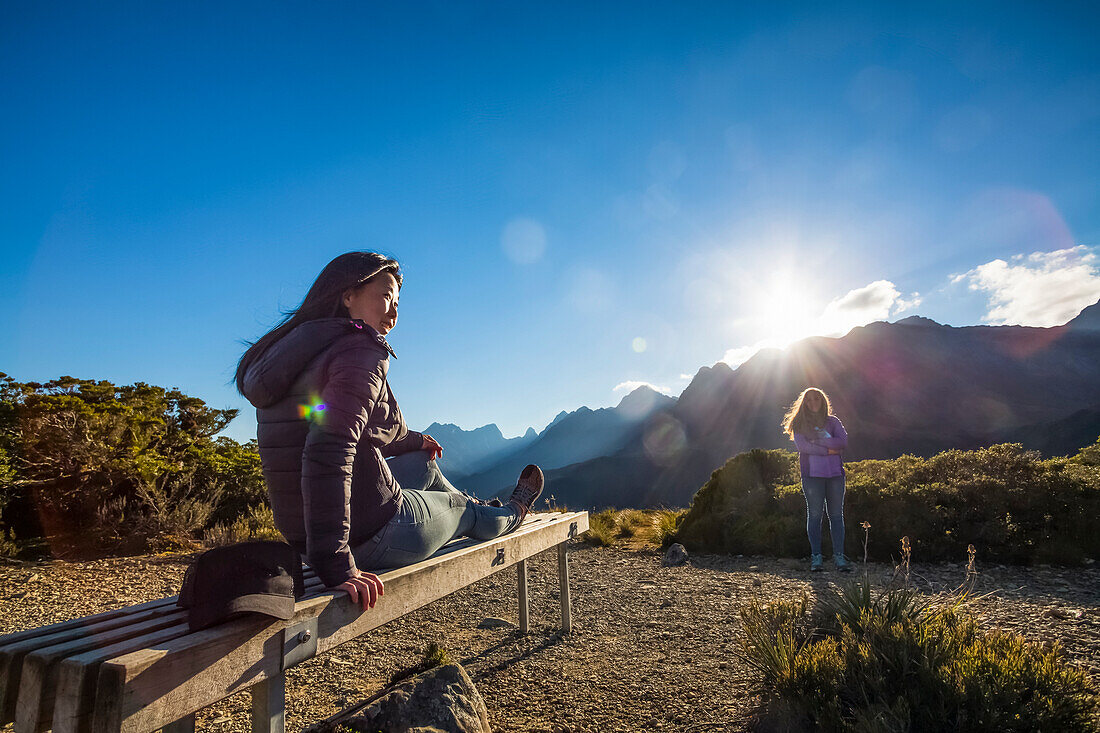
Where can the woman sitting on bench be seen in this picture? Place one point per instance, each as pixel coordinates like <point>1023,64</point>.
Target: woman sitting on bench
<point>326,422</point>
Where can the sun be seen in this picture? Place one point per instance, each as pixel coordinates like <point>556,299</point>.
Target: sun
<point>785,310</point>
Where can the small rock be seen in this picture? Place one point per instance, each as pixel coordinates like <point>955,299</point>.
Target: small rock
<point>1063,613</point>
<point>492,622</point>
<point>220,719</point>
<point>677,554</point>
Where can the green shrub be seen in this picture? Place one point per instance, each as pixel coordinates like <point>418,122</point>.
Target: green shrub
<point>1009,502</point>
<point>892,662</point>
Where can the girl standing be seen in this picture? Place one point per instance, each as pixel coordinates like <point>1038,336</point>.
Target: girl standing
<point>821,439</point>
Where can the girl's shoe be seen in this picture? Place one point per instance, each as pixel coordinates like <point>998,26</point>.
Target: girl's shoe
<point>817,563</point>
<point>527,490</point>
<point>842,563</point>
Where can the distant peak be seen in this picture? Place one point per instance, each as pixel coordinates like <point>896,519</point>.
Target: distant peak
<point>916,321</point>
<point>1087,320</point>
<point>491,429</point>
<point>642,401</point>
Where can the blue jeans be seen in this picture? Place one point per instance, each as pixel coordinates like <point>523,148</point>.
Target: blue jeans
<point>432,513</point>
<point>820,492</point>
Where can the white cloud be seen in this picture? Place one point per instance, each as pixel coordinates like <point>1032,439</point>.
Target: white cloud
<point>632,384</point>
<point>1039,289</point>
<point>876,301</point>
<point>738,356</point>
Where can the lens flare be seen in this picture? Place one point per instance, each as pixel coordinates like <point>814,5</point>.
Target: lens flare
<point>313,411</point>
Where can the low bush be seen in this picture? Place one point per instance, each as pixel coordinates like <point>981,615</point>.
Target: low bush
<point>891,661</point>
<point>1010,503</point>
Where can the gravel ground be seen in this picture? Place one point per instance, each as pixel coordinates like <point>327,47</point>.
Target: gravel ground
<point>652,648</point>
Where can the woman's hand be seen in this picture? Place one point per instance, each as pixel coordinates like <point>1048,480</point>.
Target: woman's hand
<point>365,589</point>
<point>435,450</point>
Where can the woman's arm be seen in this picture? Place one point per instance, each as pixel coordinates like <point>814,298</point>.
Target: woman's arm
<point>354,381</point>
<point>412,441</point>
<point>805,445</point>
<point>839,439</point>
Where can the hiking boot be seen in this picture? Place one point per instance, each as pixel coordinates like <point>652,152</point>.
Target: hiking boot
<point>842,564</point>
<point>817,563</point>
<point>527,490</point>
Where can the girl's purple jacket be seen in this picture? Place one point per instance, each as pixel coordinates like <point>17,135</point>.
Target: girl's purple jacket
<point>813,450</point>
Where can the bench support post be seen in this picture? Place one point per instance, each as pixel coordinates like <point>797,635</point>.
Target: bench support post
<point>524,606</point>
<point>563,579</point>
<point>269,705</point>
<point>186,724</point>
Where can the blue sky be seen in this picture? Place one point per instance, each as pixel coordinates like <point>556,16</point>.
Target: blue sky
<point>583,195</point>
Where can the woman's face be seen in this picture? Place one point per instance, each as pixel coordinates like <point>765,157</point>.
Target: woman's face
<point>814,401</point>
<point>375,303</point>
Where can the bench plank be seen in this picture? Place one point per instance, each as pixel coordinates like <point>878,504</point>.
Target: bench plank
<point>12,655</point>
<point>77,675</point>
<point>147,689</point>
<point>38,677</point>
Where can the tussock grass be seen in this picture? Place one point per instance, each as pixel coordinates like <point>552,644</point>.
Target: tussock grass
<point>258,524</point>
<point>890,660</point>
<point>602,528</point>
<point>634,528</point>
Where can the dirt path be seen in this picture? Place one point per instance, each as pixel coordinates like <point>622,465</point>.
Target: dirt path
<point>653,648</point>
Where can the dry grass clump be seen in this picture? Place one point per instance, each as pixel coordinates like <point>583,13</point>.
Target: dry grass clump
<point>602,528</point>
<point>894,660</point>
<point>636,528</point>
<point>258,524</point>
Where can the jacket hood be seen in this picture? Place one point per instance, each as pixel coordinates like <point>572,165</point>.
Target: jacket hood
<point>271,376</point>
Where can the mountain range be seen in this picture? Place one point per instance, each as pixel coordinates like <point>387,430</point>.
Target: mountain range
<point>914,386</point>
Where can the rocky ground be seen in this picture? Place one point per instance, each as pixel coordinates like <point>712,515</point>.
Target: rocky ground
<point>652,648</point>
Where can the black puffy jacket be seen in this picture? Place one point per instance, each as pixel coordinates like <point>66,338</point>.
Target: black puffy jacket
<point>326,419</point>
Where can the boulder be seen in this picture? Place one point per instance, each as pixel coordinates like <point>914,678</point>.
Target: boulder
<point>441,700</point>
<point>676,555</point>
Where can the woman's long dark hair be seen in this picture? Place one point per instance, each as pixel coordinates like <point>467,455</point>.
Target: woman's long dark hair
<point>325,299</point>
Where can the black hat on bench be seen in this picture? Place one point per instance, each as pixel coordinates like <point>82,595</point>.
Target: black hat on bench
<point>250,577</point>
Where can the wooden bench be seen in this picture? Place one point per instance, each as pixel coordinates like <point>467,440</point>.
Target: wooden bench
<point>139,669</point>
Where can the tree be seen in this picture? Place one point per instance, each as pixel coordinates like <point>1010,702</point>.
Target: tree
<point>94,458</point>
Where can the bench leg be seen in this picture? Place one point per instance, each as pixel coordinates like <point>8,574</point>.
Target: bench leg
<point>563,579</point>
<point>269,705</point>
<point>186,724</point>
<point>524,606</point>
